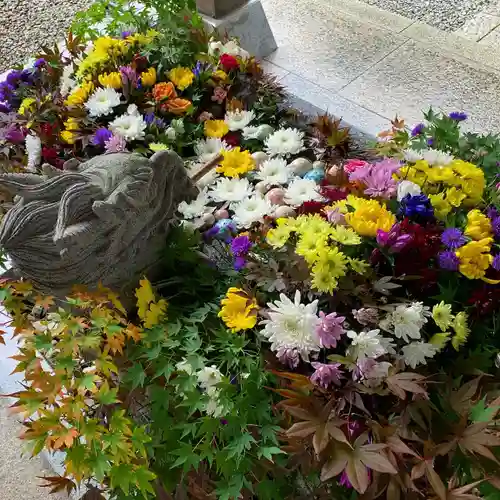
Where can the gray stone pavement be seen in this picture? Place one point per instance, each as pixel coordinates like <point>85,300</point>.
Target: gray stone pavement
<point>367,64</point>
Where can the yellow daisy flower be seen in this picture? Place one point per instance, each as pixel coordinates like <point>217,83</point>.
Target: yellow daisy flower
<point>215,128</point>
<point>236,162</point>
<point>239,310</point>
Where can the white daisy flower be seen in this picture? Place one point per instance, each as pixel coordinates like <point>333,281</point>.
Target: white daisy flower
<point>285,141</point>
<point>208,149</point>
<point>102,102</point>
<point>131,125</point>
<point>274,171</point>
<point>408,187</point>
<point>239,119</point>
<point>405,322</point>
<point>33,146</point>
<point>291,325</point>
<point>437,158</point>
<point>195,208</point>
<point>415,353</point>
<point>365,344</point>
<point>251,210</point>
<point>301,190</point>
<point>261,132</point>
<point>209,377</point>
<point>232,190</point>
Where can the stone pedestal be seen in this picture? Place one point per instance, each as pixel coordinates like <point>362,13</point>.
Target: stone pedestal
<point>248,23</point>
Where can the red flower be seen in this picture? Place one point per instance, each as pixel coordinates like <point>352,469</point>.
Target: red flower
<point>312,207</point>
<point>229,62</point>
<point>47,129</point>
<point>49,154</point>
<point>232,138</point>
<point>332,193</point>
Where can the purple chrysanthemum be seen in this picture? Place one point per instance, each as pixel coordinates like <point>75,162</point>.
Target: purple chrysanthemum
<point>453,238</point>
<point>289,357</point>
<point>115,144</point>
<point>496,262</point>
<point>458,116</point>
<point>101,136</point>
<point>330,329</point>
<point>417,129</point>
<point>448,260</point>
<point>325,375</point>
<point>129,76</point>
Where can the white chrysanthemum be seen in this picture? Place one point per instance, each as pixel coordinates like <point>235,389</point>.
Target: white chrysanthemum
<point>195,208</point>
<point>102,102</point>
<point>261,132</point>
<point>274,171</point>
<point>412,156</point>
<point>416,353</point>
<point>209,377</point>
<point>285,141</point>
<point>239,119</point>
<point>405,322</point>
<point>208,149</point>
<point>66,82</point>
<point>292,325</point>
<point>33,146</point>
<point>365,344</point>
<point>231,48</point>
<point>408,187</point>
<point>435,157</point>
<point>232,190</point>
<point>251,210</point>
<point>301,190</point>
<point>131,125</point>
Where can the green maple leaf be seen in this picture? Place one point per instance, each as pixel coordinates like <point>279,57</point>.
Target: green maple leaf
<point>107,396</point>
<point>481,413</point>
<point>99,464</point>
<point>122,477</point>
<point>143,478</point>
<point>136,376</point>
<point>268,452</point>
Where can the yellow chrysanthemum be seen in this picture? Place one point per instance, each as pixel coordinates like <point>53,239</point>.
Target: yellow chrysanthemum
<point>475,258</point>
<point>220,75</point>
<point>69,136</point>
<point>440,340</point>
<point>442,315</point>
<point>80,94</point>
<point>215,128</point>
<point>461,330</point>
<point>478,225</point>
<point>278,236</point>
<point>182,78</point>
<point>27,104</point>
<point>455,197</point>
<point>158,146</point>
<point>105,49</point>
<point>239,310</point>
<point>72,124</point>
<point>330,265</point>
<point>236,162</point>
<point>309,246</point>
<point>441,206</point>
<point>359,266</point>
<point>112,80</point>
<point>345,235</point>
<point>369,216</point>
<point>148,78</point>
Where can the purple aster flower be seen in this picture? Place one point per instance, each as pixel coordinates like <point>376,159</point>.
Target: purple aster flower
<point>453,238</point>
<point>329,329</point>
<point>448,260</point>
<point>6,92</point>
<point>496,262</point>
<point>495,226</point>
<point>241,245</point>
<point>458,116</point>
<point>239,263</point>
<point>394,240</point>
<point>126,34</point>
<point>326,375</point>
<point>288,357</point>
<point>417,129</point>
<point>39,63</point>
<point>416,207</point>
<point>101,136</point>
<point>149,118</point>
<point>430,141</point>
<point>198,69</point>
<point>27,76</point>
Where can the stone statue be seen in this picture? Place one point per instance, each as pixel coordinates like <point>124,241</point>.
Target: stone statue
<point>104,220</point>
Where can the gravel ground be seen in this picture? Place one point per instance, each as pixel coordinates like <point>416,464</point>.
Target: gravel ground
<point>27,25</point>
<point>447,15</point>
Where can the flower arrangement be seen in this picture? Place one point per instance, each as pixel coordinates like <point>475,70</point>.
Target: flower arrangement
<point>329,329</point>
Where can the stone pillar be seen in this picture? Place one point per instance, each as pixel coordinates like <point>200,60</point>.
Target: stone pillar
<point>243,19</point>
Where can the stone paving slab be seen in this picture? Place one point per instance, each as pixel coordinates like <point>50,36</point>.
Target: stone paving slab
<point>414,77</point>
<point>326,46</point>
